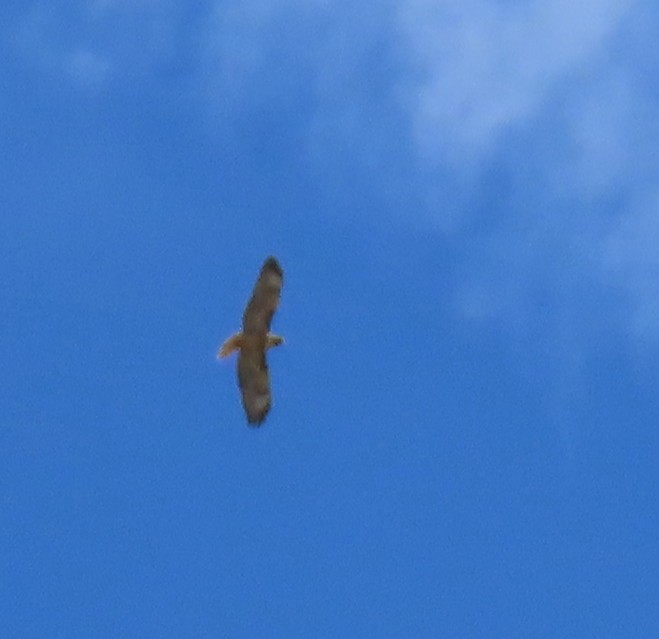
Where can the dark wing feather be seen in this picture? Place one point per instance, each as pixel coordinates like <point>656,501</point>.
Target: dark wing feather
<point>254,380</point>
<point>265,299</point>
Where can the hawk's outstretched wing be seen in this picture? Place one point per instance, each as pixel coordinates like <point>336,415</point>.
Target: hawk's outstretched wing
<point>254,382</point>
<point>253,377</point>
<point>265,299</point>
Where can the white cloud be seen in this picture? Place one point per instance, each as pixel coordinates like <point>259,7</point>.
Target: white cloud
<point>487,67</point>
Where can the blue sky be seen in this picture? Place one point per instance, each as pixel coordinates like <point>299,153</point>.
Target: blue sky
<point>464,197</point>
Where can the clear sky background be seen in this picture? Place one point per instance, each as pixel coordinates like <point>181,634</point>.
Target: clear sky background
<point>465,199</point>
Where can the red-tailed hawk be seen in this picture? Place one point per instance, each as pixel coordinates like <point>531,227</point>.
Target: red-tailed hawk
<point>254,340</point>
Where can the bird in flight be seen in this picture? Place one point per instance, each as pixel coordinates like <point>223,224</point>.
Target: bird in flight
<point>254,340</point>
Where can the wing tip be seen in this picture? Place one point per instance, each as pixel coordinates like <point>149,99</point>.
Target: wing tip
<point>254,421</point>
<point>271,263</point>
<point>256,414</point>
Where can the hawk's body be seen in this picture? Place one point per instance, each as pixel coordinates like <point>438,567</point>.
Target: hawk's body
<point>254,340</point>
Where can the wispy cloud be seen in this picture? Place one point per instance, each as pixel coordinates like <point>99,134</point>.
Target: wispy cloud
<point>630,260</point>
<point>549,95</point>
<point>244,46</point>
<point>86,67</point>
<point>485,68</point>
<point>94,41</point>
